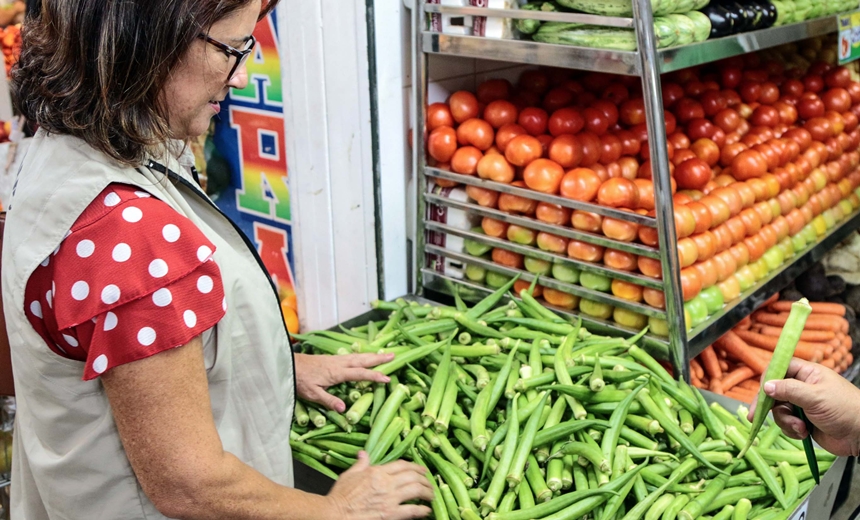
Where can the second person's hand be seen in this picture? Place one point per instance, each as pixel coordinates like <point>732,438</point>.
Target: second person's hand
<point>366,492</point>
<point>830,402</point>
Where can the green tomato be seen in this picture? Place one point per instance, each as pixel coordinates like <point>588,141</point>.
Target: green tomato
<point>698,310</point>
<point>537,266</point>
<point>760,268</point>
<point>595,309</point>
<point>713,298</point>
<point>773,257</point>
<point>565,273</point>
<point>595,282</point>
<point>745,277</point>
<point>829,218</point>
<point>787,248</point>
<point>627,318</point>
<point>819,224</point>
<point>846,207</point>
<point>798,242</point>
<point>476,248</point>
<point>658,326</point>
<point>476,273</point>
<point>496,280</point>
<point>809,234</point>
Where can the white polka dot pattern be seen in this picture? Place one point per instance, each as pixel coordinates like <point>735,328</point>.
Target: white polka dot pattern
<point>162,297</point>
<point>132,214</point>
<point>158,268</point>
<point>80,290</point>
<point>110,321</point>
<point>100,364</point>
<point>70,340</point>
<point>112,199</point>
<point>36,309</point>
<point>171,233</point>
<point>203,253</point>
<point>146,336</point>
<point>85,248</point>
<point>121,252</point>
<point>204,284</point>
<point>110,294</point>
<point>190,318</point>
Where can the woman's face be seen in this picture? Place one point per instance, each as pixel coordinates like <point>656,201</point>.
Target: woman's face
<point>200,81</point>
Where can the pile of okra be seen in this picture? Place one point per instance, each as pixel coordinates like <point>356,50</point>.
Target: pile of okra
<point>518,413</point>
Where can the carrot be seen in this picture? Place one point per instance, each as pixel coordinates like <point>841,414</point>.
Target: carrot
<point>815,322</point>
<point>710,362</point>
<point>829,363</point>
<point>849,358</point>
<point>804,350</point>
<point>724,365</point>
<point>741,394</point>
<point>762,353</point>
<point>745,323</point>
<point>838,355</point>
<point>836,309</point>
<point>828,351</point>
<point>806,335</point>
<point>772,300</point>
<point>751,384</point>
<point>738,349</point>
<point>716,387</point>
<point>697,369</point>
<point>736,376</point>
<point>696,382</point>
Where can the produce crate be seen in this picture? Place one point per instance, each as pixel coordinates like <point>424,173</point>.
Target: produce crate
<point>819,504</point>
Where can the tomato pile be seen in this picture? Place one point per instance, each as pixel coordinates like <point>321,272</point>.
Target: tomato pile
<point>10,41</point>
<point>764,160</point>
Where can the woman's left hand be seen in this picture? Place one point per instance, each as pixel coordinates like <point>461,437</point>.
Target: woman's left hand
<point>315,374</point>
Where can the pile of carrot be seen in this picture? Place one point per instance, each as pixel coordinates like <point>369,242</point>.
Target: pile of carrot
<point>733,365</point>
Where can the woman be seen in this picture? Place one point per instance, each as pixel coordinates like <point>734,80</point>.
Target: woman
<point>153,371</point>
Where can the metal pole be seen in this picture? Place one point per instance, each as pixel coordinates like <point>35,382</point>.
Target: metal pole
<point>653,97</point>
<point>419,106</point>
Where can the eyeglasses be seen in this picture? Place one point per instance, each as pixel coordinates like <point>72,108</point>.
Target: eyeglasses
<point>240,55</point>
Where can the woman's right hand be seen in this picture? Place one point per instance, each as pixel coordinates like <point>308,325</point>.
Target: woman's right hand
<point>366,492</point>
<point>830,402</point>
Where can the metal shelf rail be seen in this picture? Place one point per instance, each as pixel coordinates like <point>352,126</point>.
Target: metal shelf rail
<point>648,63</point>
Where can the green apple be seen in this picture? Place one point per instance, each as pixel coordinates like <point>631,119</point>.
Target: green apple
<point>596,309</point>
<point>713,298</point>
<point>809,234</point>
<point>773,257</point>
<point>698,310</point>
<point>630,319</point>
<point>496,280</point>
<point>565,273</point>
<point>846,207</point>
<point>521,235</point>
<point>537,266</point>
<point>760,268</point>
<point>476,273</point>
<point>829,218</point>
<point>595,282</point>
<point>787,248</point>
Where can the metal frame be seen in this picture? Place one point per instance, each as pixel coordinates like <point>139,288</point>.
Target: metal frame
<point>647,62</point>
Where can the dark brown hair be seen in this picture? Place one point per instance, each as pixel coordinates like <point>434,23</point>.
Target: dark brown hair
<point>95,69</point>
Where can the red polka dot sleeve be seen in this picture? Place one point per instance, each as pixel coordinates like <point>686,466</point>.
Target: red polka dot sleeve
<point>131,279</point>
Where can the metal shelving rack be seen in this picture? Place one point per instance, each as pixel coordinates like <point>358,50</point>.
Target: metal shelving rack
<point>648,63</point>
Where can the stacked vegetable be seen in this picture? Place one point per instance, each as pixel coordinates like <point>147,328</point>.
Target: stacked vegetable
<point>765,159</point>
<point>519,414</point>
<point>733,365</point>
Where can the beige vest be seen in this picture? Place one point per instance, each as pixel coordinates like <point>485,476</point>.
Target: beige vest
<point>69,462</point>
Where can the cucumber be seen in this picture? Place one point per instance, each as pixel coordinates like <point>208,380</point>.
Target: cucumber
<point>686,28</point>
<point>702,24</point>
<point>531,26</point>
<point>683,6</point>
<point>666,32</point>
<point>614,7</point>
<point>590,36</point>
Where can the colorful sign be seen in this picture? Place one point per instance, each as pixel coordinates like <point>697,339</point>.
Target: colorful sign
<point>246,161</point>
<point>849,37</point>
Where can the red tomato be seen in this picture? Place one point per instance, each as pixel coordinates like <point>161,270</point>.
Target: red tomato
<point>629,144</point>
<point>793,87</point>
<point>618,193</point>
<point>748,164</point>
<point>819,128</point>
<point>591,148</point>
<point>543,175</point>
<point>707,150</point>
<point>464,105</point>
<point>731,77</point>
<point>611,149</point>
<point>476,132</point>
<point>534,81</point>
<point>692,174</point>
<point>728,153</point>
<point>837,99</point>
<point>619,229</point>
<point>813,83</point>
<point>500,113</point>
<point>616,93</point>
<point>584,251</point>
<point>700,128</point>
<point>465,160</point>
<point>853,88</point>
<point>552,214</point>
<point>515,203</point>
<point>483,196</point>
<point>688,109</point>
<point>534,120</point>
<point>769,93</point>
<point>438,114</point>
<point>494,89</point>
<point>801,136</point>
<point>442,143</point>
<point>608,109</point>
<point>646,193</point>
<point>565,121</point>
<point>679,141</point>
<point>619,260</point>
<point>596,121</point>
<point>506,133</point>
<point>557,98</point>
<point>586,221</point>
<point>672,92</point>
<point>566,151</point>
<point>495,167</point>
<point>720,211</point>
<point>580,184</point>
<point>632,112</point>
<point>838,77</point>
<point>701,215</point>
<point>727,119</point>
<point>750,91</point>
<point>765,115</point>
<point>523,149</point>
